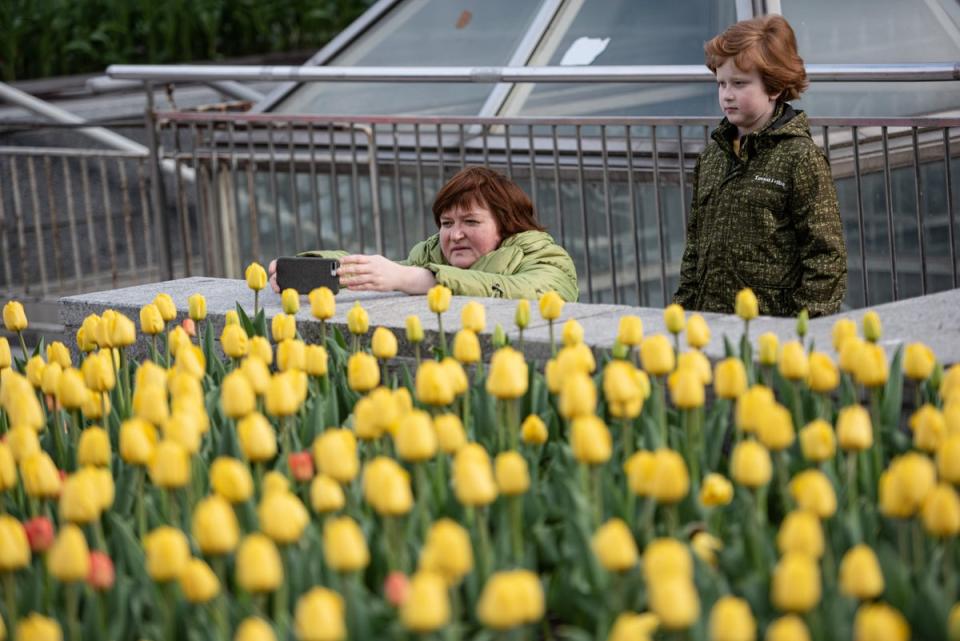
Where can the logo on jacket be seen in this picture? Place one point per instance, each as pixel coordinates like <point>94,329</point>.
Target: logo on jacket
<point>772,181</point>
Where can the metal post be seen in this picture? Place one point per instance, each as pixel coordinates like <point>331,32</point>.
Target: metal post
<point>157,196</point>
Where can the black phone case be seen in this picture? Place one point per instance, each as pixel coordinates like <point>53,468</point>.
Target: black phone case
<point>305,274</point>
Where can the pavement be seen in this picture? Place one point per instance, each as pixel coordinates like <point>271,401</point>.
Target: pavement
<point>933,319</point>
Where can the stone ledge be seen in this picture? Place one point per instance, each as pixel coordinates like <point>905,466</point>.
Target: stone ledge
<point>932,319</point>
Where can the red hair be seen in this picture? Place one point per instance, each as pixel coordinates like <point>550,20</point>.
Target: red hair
<point>510,206</point>
<point>766,44</point>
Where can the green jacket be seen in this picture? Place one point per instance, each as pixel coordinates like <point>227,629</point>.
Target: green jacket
<point>767,219</point>
<point>525,265</point>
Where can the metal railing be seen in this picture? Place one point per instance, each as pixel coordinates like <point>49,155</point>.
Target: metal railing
<point>614,191</point>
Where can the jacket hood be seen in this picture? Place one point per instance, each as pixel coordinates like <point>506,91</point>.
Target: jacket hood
<point>787,122</point>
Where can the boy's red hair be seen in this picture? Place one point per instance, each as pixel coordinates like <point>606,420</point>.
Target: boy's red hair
<point>766,44</point>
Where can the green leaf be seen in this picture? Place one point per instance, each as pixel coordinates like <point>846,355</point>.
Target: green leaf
<point>891,406</point>
<point>245,322</point>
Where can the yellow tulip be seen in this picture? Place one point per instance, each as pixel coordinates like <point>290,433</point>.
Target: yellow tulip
<point>817,441</point>
<point>51,378</point>
<point>948,459</point>
<point>615,546</point>
<point>291,354</point>
<point>622,389</point>
<point>508,377</point>
<point>138,440</point>
<point>745,305</point>
<point>15,551</point>
<point>732,620</point>
<point>40,476</point>
<point>283,327</point>
<point>416,439</point>
<point>34,370</point>
<point>674,318</point>
<point>905,484</point>
<point>630,626</point>
<point>630,330</point>
<point>860,574</point>
<point>812,490</point>
<point>386,487</point>
<point>197,307</point>
<point>787,628</point>
<point>590,440</point>
<point>918,361</point>
<point>234,341</point>
<point>281,398</point>
<point>432,384</point>
<point>473,317</point>
<point>319,616</point>
<point>941,511</point>
<point>849,355</point>
<point>215,526</point>
<point>533,431</point>
<point>14,318</point>
<point>290,301</point>
<point>801,532</point>
<point>414,329</point>
<point>254,629</point>
<point>447,551</point>
<point>198,582</point>
<point>23,442</point>
<point>706,547</point>
<point>344,546</point>
<point>670,480</point>
<point>929,428</point>
<point>769,349</point>
<point>282,517</point>
<point>438,299</point>
<point>871,367</point>
<point>551,306</point>
<point>675,602</point>
<point>323,304</point>
<point>750,464</point>
<point>5,357</point>
<point>686,389</point>
<point>230,479</point>
<point>665,559</point>
<point>316,360</point>
<point>8,468</point>
<point>794,365</point>
<point>698,332</point>
<point>795,585</point>
<point>170,467</point>
<point>427,607</point>
<point>730,378</point>
<point>384,343</point>
<point>71,391</point>
<point>87,334</point>
<point>151,322</point>
<point>872,327</point>
<point>776,428</point>
<point>466,347</point>
<point>261,348</point>
<point>231,317</point>
<point>455,373</point>
<point>824,376</point>
<point>79,499</point>
<point>450,433</point>
<point>164,303</point>
<point>256,276</point>
<point>363,373</point>
<point>572,333</point>
<point>854,431</point>
<point>326,495</point>
<point>879,622</point>
<point>258,564</point>
<point>258,440</point>
<point>236,395</point>
<point>715,491</point>
<point>167,552</point>
<point>843,329</point>
<point>521,316</point>
<point>656,355</point>
<point>578,396</point>
<point>473,478</point>
<point>37,627</point>
<point>510,470</point>
<point>256,373</point>
<point>335,453</point>
<point>640,468</point>
<point>511,598</point>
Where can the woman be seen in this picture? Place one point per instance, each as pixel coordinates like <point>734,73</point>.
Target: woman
<point>489,244</point>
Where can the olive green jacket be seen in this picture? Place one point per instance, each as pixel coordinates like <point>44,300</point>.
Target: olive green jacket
<point>767,219</point>
<point>525,265</point>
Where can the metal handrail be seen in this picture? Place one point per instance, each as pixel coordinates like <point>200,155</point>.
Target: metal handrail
<point>914,72</point>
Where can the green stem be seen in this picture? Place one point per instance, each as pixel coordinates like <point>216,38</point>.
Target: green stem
<point>58,439</point>
<point>852,491</point>
<point>10,590</point>
<point>443,336</point>
<point>280,615</point>
<point>660,384</point>
<point>596,484</point>
<point>516,528</point>
<point>73,605</point>
<point>256,302</point>
<point>513,421</point>
<point>416,351</point>
<point>423,495</point>
<point>553,344</point>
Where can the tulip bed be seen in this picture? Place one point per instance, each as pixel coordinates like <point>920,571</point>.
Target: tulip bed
<point>250,486</point>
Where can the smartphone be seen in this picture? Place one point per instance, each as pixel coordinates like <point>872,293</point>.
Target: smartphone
<point>305,274</point>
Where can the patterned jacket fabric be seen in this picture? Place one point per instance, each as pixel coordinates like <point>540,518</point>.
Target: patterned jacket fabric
<point>525,265</point>
<point>767,219</point>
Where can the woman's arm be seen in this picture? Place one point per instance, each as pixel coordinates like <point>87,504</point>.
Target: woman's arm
<point>378,274</point>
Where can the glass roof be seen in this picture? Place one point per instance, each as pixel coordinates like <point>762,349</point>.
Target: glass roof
<point>624,32</point>
<point>422,33</point>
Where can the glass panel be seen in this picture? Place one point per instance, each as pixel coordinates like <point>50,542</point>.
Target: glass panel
<point>876,31</point>
<point>626,32</point>
<point>418,33</point>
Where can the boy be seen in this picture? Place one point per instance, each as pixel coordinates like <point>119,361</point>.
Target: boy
<point>764,213</point>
